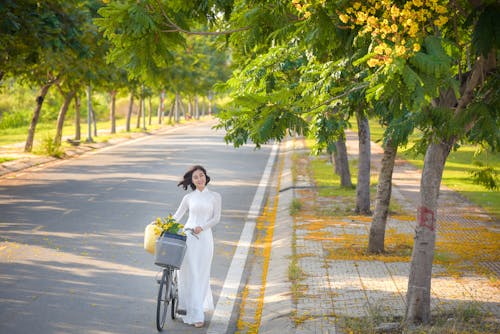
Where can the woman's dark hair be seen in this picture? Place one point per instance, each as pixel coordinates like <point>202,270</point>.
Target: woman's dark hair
<point>187,180</point>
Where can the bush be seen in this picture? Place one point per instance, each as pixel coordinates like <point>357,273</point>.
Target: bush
<point>14,119</point>
<point>52,149</point>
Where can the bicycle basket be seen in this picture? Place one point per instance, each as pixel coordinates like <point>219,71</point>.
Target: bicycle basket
<point>170,250</point>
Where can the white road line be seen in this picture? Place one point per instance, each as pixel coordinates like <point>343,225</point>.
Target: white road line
<point>225,304</point>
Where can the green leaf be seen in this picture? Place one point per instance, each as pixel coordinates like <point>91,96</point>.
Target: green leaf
<point>486,34</point>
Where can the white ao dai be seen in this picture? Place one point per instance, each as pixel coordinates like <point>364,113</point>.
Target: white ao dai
<point>195,294</point>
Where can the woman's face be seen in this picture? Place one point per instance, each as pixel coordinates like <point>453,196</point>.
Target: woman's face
<point>199,179</point>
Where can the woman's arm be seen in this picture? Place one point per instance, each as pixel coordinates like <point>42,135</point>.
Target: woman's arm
<point>216,213</point>
<point>181,210</point>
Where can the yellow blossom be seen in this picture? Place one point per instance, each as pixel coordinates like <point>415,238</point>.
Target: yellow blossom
<point>356,5</point>
<point>417,3</point>
<point>441,21</point>
<point>344,18</point>
<point>400,50</point>
<point>372,62</point>
<point>416,47</point>
<point>379,49</point>
<point>441,9</point>
<point>413,30</point>
<point>394,11</point>
<point>372,20</point>
<point>361,17</point>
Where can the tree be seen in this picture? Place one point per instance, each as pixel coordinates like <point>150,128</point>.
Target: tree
<point>35,39</point>
<point>449,101</point>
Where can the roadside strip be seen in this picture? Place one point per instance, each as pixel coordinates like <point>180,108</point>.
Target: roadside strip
<point>227,298</point>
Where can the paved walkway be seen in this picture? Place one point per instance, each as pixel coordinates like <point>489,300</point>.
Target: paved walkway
<point>356,287</point>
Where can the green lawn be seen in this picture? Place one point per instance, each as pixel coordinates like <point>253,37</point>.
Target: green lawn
<point>44,130</point>
<point>457,172</point>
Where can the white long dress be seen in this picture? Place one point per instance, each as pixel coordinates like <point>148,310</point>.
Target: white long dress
<point>195,294</point>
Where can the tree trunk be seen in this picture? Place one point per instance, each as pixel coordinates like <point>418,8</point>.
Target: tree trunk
<point>343,164</point>
<point>189,110</point>
<point>418,303</point>
<point>78,126</point>
<point>161,106</point>
<point>150,110</point>
<point>209,106</point>
<point>130,110</point>
<point>176,108</point>
<point>203,108</point>
<point>36,115</point>
<point>196,108</point>
<point>112,111</point>
<point>382,201</point>
<point>334,159</point>
<point>89,114</point>
<point>418,298</point>
<point>171,112</point>
<point>143,113</point>
<point>363,185</point>
<point>94,122</point>
<point>92,116</point>
<point>139,114</point>
<point>60,118</point>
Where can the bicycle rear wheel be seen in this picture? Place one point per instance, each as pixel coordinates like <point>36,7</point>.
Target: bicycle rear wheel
<point>164,296</point>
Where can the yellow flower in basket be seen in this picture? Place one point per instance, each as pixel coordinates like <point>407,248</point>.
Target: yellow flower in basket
<point>168,225</point>
<point>155,229</point>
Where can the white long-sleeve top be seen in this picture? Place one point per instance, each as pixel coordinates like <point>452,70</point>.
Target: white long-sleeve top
<point>204,209</point>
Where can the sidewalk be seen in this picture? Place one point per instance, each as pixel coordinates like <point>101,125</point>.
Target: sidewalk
<point>333,288</point>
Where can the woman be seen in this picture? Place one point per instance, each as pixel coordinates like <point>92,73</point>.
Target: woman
<point>204,206</point>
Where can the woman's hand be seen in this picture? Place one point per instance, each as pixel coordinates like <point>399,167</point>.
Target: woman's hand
<point>197,229</point>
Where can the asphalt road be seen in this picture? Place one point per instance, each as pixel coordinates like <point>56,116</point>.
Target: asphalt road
<point>71,234</point>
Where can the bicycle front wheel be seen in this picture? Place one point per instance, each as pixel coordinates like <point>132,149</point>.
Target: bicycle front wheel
<point>164,296</point>
<point>175,297</point>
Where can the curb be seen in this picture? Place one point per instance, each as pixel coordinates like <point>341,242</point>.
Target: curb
<point>278,305</point>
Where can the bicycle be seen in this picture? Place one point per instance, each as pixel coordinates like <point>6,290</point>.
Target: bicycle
<point>168,292</point>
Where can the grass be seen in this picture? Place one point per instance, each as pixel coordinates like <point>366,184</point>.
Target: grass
<point>457,173</point>
<point>295,207</point>
<point>466,318</point>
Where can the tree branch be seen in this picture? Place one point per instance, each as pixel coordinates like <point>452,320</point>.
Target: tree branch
<point>176,28</point>
<point>330,100</point>
<point>478,75</point>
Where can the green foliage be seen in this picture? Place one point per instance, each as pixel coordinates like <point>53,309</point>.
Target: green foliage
<point>50,148</point>
<point>485,111</point>
<point>266,101</point>
<point>14,119</point>
<point>486,176</point>
<point>149,38</point>
<point>134,31</point>
<point>31,30</point>
<point>486,34</point>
